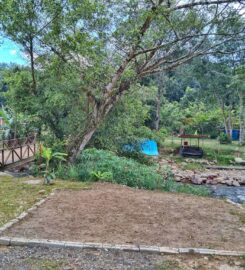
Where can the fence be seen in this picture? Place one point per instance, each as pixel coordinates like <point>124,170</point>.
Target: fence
<point>15,150</point>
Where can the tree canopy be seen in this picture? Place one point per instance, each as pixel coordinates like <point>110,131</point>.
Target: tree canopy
<point>85,55</point>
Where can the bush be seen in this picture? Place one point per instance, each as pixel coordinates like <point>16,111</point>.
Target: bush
<point>102,165</point>
<point>94,165</point>
<point>224,138</point>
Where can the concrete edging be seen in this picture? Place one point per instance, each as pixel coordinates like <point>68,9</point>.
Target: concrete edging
<point>24,214</point>
<point>14,241</point>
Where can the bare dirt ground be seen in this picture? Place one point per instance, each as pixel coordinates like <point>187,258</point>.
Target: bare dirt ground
<point>116,214</point>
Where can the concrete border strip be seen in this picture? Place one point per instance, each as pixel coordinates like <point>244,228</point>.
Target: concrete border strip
<point>24,214</point>
<point>14,241</point>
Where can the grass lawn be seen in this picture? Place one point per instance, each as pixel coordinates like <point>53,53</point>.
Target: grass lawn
<point>16,196</point>
<point>223,153</point>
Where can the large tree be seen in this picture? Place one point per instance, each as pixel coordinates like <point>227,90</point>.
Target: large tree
<point>115,43</point>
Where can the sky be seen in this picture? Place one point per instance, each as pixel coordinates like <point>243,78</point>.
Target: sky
<point>10,52</point>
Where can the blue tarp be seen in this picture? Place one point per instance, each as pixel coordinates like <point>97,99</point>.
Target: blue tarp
<point>147,147</point>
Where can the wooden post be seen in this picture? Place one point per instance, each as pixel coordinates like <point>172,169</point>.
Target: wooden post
<point>12,155</point>
<point>2,157</point>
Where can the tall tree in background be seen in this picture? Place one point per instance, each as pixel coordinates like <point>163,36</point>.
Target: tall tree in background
<point>238,83</point>
<point>20,21</point>
<point>115,43</point>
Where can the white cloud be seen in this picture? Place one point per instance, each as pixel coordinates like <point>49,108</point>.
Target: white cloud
<point>13,52</point>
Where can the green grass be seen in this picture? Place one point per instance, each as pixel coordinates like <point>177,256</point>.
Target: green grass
<point>224,154</point>
<point>17,196</point>
<point>192,166</point>
<point>208,144</point>
<point>45,264</point>
<point>240,215</point>
<point>168,265</point>
<point>172,186</point>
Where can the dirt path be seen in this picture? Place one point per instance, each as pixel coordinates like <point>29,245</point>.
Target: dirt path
<point>117,214</point>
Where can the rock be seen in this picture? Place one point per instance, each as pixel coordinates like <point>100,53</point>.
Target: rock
<point>240,161</point>
<point>242,181</point>
<point>41,192</point>
<point>209,176</point>
<point>213,182</point>
<point>196,180</point>
<point>229,182</point>
<point>235,183</point>
<point>178,179</point>
<point>220,180</point>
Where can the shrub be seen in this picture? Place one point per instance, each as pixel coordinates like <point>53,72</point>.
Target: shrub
<point>70,172</point>
<point>135,153</point>
<point>103,165</point>
<point>224,138</point>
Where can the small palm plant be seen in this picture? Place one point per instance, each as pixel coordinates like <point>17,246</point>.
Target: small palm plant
<point>48,155</point>
<point>98,175</point>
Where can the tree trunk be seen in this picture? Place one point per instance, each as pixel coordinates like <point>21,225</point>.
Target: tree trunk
<point>79,147</point>
<point>225,120</point>
<point>230,126</point>
<point>158,108</point>
<point>32,60</point>
<point>100,111</point>
<point>242,119</point>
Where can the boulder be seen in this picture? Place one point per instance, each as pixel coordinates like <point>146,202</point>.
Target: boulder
<point>235,183</point>
<point>196,180</point>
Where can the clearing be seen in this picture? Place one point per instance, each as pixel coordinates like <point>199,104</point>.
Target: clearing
<point>116,214</point>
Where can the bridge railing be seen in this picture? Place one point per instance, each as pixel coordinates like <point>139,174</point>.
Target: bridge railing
<point>16,143</point>
<point>15,150</point>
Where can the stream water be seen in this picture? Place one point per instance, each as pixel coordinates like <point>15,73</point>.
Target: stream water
<point>235,194</point>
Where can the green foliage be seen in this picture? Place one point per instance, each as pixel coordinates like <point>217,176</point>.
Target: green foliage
<point>73,80</point>
<point>126,122</point>
<point>220,157</point>
<point>47,154</point>
<point>59,94</point>
<point>224,138</point>
<point>136,155</point>
<point>104,165</point>
<point>102,176</point>
<point>101,165</point>
<point>192,116</point>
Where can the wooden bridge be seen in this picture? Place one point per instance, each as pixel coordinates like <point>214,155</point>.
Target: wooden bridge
<point>17,151</point>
